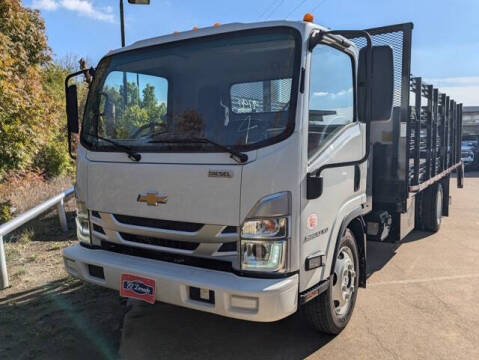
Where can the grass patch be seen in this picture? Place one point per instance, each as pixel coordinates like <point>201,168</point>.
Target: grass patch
<point>26,236</point>
<point>20,272</point>
<point>12,254</point>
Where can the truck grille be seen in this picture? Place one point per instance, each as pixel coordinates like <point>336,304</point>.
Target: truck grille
<point>227,247</point>
<point>182,245</point>
<point>174,237</point>
<point>158,224</point>
<point>206,263</point>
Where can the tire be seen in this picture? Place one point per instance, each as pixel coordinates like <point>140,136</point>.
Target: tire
<point>433,207</point>
<point>324,313</point>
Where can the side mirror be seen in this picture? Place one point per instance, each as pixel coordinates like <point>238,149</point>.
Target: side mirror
<point>382,82</point>
<point>72,109</point>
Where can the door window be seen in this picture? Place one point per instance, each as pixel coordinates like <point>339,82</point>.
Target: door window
<point>331,95</point>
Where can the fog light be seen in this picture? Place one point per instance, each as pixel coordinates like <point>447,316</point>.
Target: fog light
<point>262,255</point>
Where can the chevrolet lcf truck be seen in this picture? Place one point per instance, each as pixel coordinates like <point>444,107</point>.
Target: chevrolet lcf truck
<point>240,169</point>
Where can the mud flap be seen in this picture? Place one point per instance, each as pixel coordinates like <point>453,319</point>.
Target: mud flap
<point>460,176</point>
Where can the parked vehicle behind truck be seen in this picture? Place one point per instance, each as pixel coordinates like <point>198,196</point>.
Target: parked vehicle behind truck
<point>240,169</point>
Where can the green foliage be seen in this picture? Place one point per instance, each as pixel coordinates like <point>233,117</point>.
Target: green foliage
<point>26,236</point>
<point>127,118</point>
<point>5,211</point>
<point>53,158</point>
<point>23,104</point>
<point>32,112</point>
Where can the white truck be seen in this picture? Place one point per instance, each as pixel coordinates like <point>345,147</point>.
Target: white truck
<point>240,169</point>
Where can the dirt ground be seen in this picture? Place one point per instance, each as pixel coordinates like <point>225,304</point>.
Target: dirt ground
<point>45,314</point>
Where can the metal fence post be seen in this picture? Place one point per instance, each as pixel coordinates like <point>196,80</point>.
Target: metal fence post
<point>26,217</point>
<point>3,267</point>
<point>62,216</point>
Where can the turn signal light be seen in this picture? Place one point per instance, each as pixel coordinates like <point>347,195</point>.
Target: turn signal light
<point>216,24</point>
<point>195,27</point>
<point>308,17</point>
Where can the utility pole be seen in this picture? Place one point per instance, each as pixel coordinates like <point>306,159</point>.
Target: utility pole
<point>122,24</point>
<point>122,29</point>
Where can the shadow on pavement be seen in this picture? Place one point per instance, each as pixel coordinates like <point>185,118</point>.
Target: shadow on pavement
<point>380,253</point>
<point>173,332</point>
<point>471,174</point>
<point>64,319</point>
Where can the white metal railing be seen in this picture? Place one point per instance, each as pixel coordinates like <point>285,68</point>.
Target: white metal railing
<point>26,217</point>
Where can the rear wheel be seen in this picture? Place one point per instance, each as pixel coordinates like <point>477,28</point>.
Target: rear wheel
<point>330,312</point>
<point>432,207</point>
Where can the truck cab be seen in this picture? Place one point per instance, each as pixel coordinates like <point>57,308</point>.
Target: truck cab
<point>227,169</point>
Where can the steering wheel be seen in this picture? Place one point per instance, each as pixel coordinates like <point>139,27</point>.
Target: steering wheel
<point>143,127</point>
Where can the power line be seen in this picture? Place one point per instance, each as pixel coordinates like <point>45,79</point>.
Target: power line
<point>317,6</point>
<point>280,2</point>
<point>296,8</point>
<point>268,8</point>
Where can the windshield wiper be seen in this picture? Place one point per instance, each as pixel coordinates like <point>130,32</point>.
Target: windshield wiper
<point>132,155</point>
<point>235,155</point>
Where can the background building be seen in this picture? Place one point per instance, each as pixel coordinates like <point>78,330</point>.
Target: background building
<point>470,121</point>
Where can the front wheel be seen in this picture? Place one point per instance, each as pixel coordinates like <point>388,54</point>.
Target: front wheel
<point>330,311</point>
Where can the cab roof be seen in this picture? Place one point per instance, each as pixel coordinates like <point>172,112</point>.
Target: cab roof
<point>302,27</point>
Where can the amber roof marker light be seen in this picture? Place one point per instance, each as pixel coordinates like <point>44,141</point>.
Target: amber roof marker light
<point>308,17</point>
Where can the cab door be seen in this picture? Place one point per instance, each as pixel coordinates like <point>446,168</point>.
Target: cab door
<point>333,135</point>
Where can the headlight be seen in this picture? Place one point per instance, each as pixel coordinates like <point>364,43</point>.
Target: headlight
<point>265,234</point>
<point>272,228</point>
<point>83,223</point>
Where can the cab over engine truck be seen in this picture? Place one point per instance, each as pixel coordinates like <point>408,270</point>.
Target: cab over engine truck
<point>240,169</point>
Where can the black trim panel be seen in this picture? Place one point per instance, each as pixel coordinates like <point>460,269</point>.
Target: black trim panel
<point>204,263</point>
<point>311,293</point>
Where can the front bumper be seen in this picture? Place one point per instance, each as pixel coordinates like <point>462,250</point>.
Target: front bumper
<point>235,296</point>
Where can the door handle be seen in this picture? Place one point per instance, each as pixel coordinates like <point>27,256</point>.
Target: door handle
<point>357,177</point>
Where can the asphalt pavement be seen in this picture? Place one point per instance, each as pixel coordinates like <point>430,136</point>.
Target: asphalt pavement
<point>421,302</point>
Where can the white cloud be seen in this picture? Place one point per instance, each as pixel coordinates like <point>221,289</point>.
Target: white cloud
<point>454,81</point>
<point>49,5</point>
<point>333,95</point>
<point>81,7</point>
<point>85,8</point>
<point>463,90</point>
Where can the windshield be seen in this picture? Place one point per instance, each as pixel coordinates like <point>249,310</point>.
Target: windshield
<point>236,89</point>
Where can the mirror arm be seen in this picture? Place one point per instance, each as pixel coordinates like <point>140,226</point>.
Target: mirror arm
<point>72,75</point>
<point>315,176</point>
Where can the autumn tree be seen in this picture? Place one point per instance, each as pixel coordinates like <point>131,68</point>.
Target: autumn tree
<point>24,107</point>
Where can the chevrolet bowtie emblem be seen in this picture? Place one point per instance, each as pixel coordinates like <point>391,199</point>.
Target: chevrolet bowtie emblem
<point>152,199</point>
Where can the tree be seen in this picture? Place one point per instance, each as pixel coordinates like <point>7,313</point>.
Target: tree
<point>150,103</point>
<point>149,98</point>
<point>24,106</point>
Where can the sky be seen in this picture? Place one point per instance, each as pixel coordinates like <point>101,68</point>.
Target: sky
<point>445,36</point>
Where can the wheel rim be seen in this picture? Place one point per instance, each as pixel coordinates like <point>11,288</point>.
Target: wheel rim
<point>344,281</point>
<point>439,207</point>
